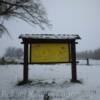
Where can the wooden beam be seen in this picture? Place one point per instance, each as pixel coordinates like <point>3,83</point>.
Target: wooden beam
<point>25,69</point>
<point>74,69</point>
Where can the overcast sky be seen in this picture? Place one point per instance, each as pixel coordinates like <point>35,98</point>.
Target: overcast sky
<point>67,17</point>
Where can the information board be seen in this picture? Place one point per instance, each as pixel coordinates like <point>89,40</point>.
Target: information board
<point>50,52</point>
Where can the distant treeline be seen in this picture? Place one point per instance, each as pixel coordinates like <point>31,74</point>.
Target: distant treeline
<point>14,52</point>
<point>13,55</point>
<point>89,54</point>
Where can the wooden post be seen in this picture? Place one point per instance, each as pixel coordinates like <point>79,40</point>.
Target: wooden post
<point>46,97</point>
<point>87,61</point>
<point>74,69</point>
<point>25,69</point>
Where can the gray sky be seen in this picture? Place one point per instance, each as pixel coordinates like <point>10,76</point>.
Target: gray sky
<point>68,17</point>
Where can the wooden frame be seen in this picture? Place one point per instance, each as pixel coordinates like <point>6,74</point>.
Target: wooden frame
<point>31,40</point>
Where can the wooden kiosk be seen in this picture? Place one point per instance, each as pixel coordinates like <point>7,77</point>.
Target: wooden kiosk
<point>49,48</point>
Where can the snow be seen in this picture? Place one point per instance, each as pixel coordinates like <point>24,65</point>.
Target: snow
<point>51,79</point>
<point>50,36</point>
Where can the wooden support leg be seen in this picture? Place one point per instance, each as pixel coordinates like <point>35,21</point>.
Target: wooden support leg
<point>74,72</point>
<point>25,69</point>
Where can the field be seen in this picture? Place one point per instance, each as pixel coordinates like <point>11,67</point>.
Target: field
<point>51,79</point>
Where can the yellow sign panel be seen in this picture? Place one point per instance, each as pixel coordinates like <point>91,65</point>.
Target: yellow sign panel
<point>48,53</point>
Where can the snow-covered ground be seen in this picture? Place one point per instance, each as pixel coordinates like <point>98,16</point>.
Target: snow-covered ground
<point>51,79</point>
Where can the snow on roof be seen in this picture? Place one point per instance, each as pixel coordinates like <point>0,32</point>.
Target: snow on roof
<point>49,36</point>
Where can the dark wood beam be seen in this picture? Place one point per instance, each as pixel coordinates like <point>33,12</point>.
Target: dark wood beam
<point>25,69</point>
<point>74,68</point>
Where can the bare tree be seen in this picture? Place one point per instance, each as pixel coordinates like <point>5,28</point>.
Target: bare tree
<point>30,11</point>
